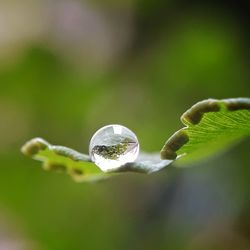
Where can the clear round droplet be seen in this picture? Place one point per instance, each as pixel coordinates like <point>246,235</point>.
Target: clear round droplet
<point>113,146</point>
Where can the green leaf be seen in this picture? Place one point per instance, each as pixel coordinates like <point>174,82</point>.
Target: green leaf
<point>80,167</point>
<point>211,126</point>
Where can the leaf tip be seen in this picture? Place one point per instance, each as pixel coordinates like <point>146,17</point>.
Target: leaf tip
<point>196,112</point>
<point>33,146</point>
<point>175,142</point>
<point>59,167</point>
<point>234,104</point>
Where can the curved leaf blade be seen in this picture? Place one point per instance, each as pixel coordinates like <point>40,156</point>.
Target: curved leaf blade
<point>211,125</point>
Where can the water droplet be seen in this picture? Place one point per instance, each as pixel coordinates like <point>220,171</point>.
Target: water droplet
<point>113,146</point>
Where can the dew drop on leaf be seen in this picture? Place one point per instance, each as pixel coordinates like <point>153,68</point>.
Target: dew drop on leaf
<point>113,146</point>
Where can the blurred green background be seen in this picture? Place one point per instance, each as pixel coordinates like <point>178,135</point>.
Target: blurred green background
<point>69,67</point>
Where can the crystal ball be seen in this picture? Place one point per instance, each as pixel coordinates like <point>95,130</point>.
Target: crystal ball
<point>113,146</point>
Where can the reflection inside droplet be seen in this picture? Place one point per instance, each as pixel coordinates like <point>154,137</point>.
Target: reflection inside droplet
<point>113,146</point>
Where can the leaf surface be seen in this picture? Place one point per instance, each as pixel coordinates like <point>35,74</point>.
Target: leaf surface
<point>211,127</point>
